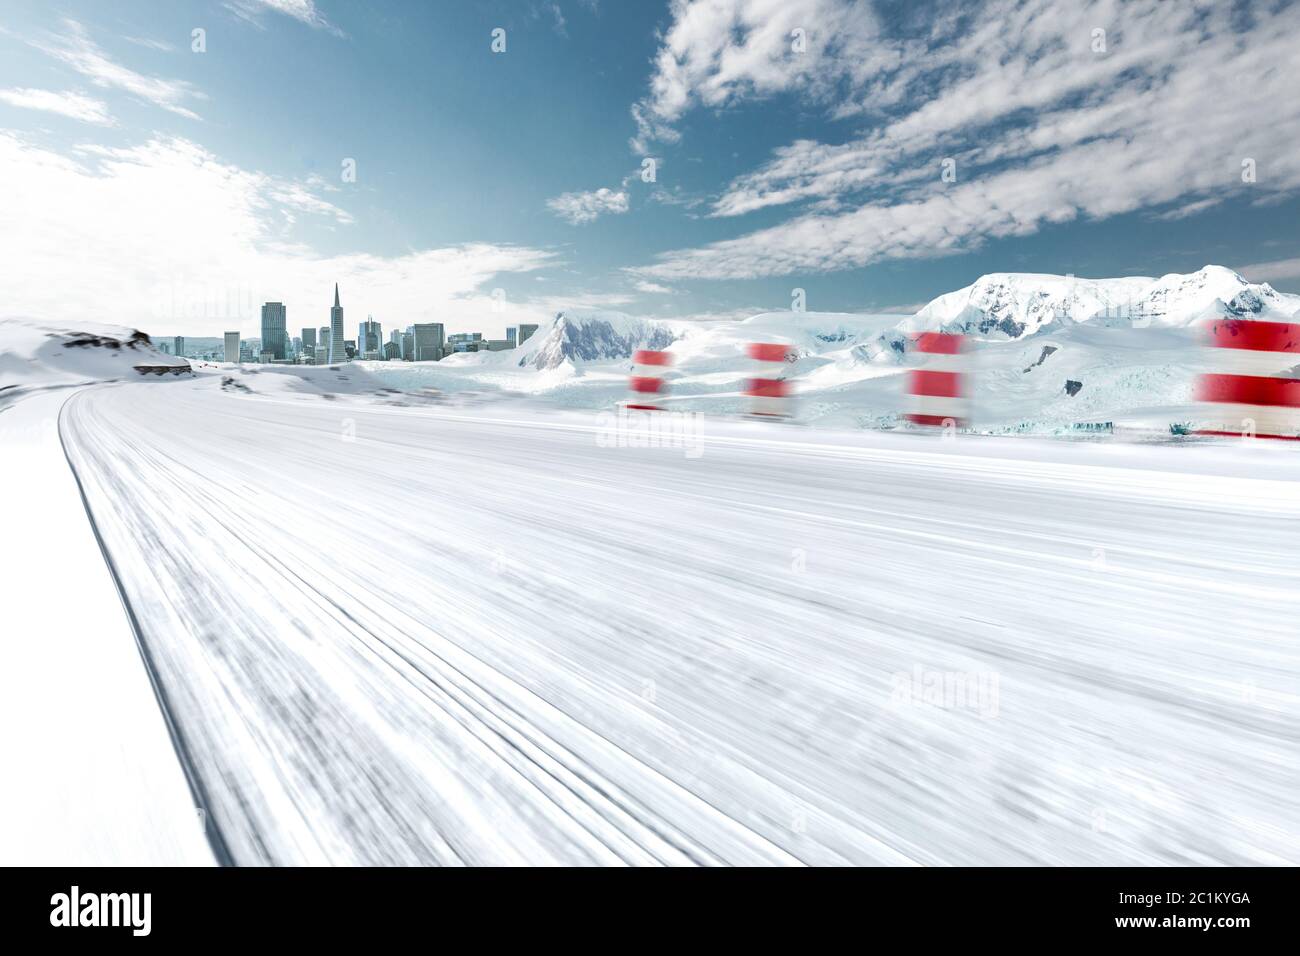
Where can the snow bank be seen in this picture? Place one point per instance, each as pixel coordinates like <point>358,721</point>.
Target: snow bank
<point>37,354</point>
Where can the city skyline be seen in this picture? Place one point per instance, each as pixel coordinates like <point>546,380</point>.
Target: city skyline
<point>419,341</point>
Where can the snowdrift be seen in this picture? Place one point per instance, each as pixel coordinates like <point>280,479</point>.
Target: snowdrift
<point>39,355</point>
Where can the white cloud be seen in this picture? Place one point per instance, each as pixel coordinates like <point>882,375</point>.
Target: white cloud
<point>166,237</point>
<point>1189,209</point>
<point>653,288</point>
<point>581,207</point>
<point>303,11</point>
<point>558,14</point>
<point>70,104</point>
<point>1272,271</point>
<point>77,50</point>
<point>718,52</point>
<point>151,44</point>
<point>1042,127</point>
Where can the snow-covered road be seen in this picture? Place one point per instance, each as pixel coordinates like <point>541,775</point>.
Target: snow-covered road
<point>482,635</point>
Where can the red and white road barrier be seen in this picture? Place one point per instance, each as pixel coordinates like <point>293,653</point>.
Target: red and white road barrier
<point>769,394</point>
<point>937,394</point>
<point>1257,393</point>
<point>647,380</point>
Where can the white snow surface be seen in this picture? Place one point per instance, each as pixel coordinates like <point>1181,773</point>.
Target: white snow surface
<point>440,612</point>
<point>35,354</point>
<point>414,629</point>
<point>91,775</point>
<point>1133,346</point>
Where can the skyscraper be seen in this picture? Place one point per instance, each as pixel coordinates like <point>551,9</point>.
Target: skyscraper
<point>429,341</point>
<point>369,339</point>
<point>309,338</point>
<point>179,345</point>
<point>274,332</point>
<point>511,336</point>
<point>232,347</point>
<point>337,353</point>
<point>525,330</point>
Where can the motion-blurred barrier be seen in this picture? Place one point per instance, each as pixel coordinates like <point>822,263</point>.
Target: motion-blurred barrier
<point>647,382</point>
<point>1257,393</point>
<point>937,394</point>
<point>769,393</point>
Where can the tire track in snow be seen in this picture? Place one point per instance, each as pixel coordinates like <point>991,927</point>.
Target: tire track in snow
<point>202,801</point>
<point>524,749</point>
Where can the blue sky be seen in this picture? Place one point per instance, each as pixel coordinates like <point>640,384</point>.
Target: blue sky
<point>175,190</point>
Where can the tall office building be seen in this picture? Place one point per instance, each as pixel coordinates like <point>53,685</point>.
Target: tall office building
<point>275,336</point>
<point>309,338</point>
<point>525,331</point>
<point>232,347</point>
<point>369,338</point>
<point>512,336</point>
<point>429,341</point>
<point>336,353</point>
<point>408,344</point>
<point>179,345</point>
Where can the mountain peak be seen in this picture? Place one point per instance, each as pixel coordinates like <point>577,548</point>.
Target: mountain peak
<point>1009,305</point>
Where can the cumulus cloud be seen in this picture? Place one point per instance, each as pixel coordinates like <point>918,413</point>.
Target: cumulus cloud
<point>76,49</point>
<point>1044,118</point>
<point>165,236</point>
<point>582,207</point>
<point>718,52</point>
<point>73,105</point>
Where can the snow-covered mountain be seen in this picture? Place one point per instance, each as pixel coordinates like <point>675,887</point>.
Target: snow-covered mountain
<point>575,335</point>
<point>1011,305</point>
<point>34,353</point>
<point>1006,305</point>
<point>1180,300</point>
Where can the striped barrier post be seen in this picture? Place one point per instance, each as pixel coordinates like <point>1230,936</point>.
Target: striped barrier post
<point>1257,393</point>
<point>937,394</point>
<point>768,393</point>
<point>647,381</point>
